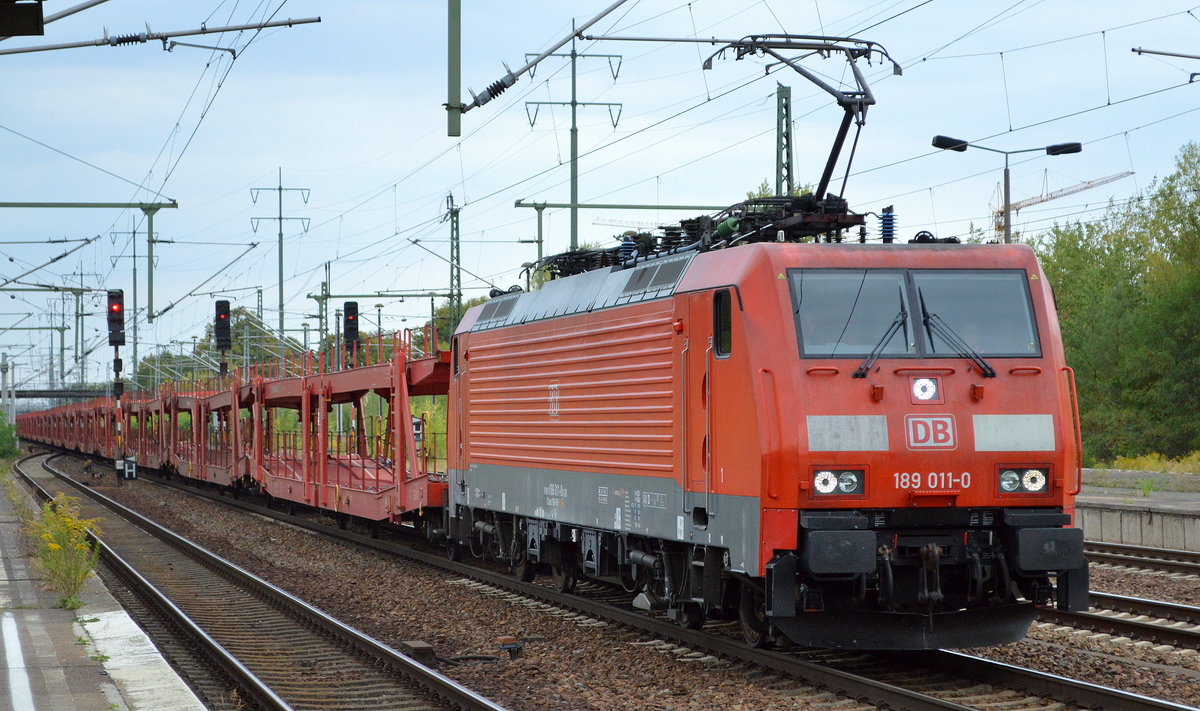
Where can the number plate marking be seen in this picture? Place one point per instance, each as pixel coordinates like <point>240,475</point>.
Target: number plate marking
<point>936,481</point>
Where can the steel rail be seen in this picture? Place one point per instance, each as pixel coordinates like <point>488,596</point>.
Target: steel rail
<point>1161,622</point>
<point>1045,684</point>
<point>1160,633</point>
<point>852,685</point>
<point>1165,559</point>
<point>1141,606</point>
<point>243,677</point>
<point>429,679</point>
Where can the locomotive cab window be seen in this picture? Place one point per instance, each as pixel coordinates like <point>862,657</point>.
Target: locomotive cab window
<point>989,309</point>
<point>722,323</point>
<point>847,313</point>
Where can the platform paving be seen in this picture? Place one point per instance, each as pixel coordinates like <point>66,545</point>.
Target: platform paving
<point>91,659</point>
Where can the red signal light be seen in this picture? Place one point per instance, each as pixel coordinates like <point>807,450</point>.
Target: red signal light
<point>116,317</point>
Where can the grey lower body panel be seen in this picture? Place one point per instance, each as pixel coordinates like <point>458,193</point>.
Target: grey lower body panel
<point>655,507</point>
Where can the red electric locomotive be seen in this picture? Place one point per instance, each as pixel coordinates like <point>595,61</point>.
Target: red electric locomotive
<point>849,445</point>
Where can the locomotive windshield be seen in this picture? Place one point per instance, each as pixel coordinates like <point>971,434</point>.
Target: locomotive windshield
<point>847,312</point>
<point>842,312</point>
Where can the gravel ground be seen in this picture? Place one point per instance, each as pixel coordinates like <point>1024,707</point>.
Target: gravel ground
<point>565,666</point>
<point>1179,590</point>
<point>580,668</point>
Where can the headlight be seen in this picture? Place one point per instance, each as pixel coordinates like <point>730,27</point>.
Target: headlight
<point>924,389</point>
<point>842,482</point>
<point>1034,480</point>
<point>825,482</point>
<point>1009,480</point>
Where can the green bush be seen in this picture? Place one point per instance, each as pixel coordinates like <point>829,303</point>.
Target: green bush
<point>64,554</point>
<point>8,439</point>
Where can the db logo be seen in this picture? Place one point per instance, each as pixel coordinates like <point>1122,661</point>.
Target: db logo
<point>930,431</point>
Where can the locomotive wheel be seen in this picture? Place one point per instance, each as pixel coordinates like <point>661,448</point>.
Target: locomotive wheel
<point>752,617</point>
<point>524,571</point>
<point>690,616</point>
<point>630,582</point>
<point>454,551</point>
<point>564,578</point>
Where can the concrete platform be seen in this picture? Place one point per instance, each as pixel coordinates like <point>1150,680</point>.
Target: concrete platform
<point>91,659</point>
<point>1154,517</point>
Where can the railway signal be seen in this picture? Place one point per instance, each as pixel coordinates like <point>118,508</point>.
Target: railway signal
<point>116,317</point>
<point>350,322</point>
<point>221,333</point>
<point>221,327</point>
<point>115,313</point>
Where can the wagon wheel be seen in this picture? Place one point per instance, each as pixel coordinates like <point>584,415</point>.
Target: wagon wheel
<point>752,616</point>
<point>454,550</point>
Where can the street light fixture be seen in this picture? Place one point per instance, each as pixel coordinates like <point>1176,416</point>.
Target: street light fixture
<point>954,144</point>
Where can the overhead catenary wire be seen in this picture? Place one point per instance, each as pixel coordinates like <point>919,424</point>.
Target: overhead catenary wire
<point>380,236</point>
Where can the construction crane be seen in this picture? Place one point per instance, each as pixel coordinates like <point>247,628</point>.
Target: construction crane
<point>643,226</point>
<point>1054,195</point>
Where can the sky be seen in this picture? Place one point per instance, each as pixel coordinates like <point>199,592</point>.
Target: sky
<point>348,114</point>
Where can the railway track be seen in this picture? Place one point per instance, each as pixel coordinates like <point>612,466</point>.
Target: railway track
<point>1121,554</point>
<point>931,680</point>
<point>280,652</point>
<point>1137,619</point>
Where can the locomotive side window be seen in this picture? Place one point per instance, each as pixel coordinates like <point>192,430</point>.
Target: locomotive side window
<point>847,312</point>
<point>722,323</point>
<point>989,309</point>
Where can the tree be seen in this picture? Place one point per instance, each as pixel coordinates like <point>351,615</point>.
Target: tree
<point>765,191</point>
<point>1127,288</point>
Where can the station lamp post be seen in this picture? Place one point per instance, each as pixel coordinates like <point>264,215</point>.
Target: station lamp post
<point>955,144</point>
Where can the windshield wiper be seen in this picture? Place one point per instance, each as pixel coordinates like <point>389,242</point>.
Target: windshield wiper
<point>935,324</point>
<point>901,321</point>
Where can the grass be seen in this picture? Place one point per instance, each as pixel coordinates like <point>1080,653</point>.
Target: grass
<point>1155,462</point>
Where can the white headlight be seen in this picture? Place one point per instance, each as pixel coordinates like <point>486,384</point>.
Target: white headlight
<point>848,482</point>
<point>1009,480</point>
<point>925,388</point>
<point>1034,480</point>
<point>825,482</point>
